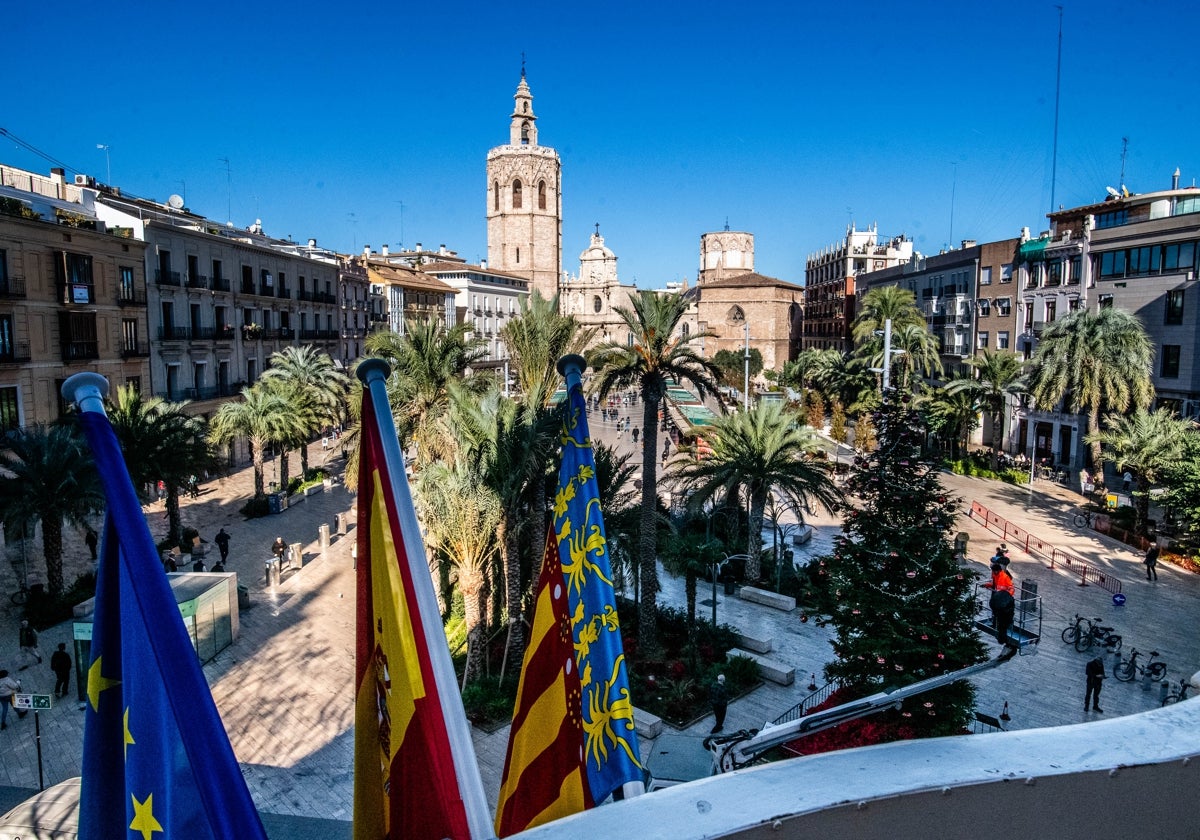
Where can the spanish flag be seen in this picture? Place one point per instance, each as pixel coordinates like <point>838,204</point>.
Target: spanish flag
<point>415,774</point>
<point>544,774</point>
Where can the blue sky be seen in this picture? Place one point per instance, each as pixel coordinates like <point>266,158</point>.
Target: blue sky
<point>369,123</point>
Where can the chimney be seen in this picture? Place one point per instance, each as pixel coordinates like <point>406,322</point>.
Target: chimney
<point>312,243</point>
<point>483,263</point>
<point>442,249</point>
<point>1175,179</point>
<point>366,251</point>
<point>968,243</point>
<point>418,248</point>
<point>384,250</point>
<point>1025,234</point>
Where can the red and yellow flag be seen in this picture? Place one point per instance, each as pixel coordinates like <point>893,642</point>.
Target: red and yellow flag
<point>407,782</point>
<point>544,773</point>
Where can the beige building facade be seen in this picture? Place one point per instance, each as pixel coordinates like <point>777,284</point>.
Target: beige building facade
<point>766,309</point>
<point>592,295</point>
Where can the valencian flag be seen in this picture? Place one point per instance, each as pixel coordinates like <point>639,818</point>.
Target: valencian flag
<point>156,759</point>
<point>539,772</point>
<point>415,774</point>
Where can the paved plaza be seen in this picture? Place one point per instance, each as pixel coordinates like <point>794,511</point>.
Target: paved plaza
<point>284,688</point>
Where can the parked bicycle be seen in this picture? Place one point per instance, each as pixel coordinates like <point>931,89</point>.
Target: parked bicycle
<point>1129,668</point>
<point>1083,519</point>
<point>1097,635</point>
<point>1072,634</point>
<point>1177,694</point>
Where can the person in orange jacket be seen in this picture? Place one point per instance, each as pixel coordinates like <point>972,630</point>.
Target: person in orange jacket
<point>1004,606</point>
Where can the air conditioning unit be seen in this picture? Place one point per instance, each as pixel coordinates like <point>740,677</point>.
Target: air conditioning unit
<point>85,181</point>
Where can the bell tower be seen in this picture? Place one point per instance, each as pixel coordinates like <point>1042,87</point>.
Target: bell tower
<point>524,201</point>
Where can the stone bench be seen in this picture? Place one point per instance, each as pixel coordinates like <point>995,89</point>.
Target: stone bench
<point>769,669</point>
<point>648,726</point>
<point>768,599</point>
<point>756,645</point>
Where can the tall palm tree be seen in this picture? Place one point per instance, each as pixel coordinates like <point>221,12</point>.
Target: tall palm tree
<point>1094,362</point>
<point>755,454</point>
<point>622,511</point>
<point>846,378</point>
<point>1147,443</point>
<point>536,339</point>
<point>952,415</point>
<point>263,416</point>
<point>922,355</point>
<point>425,360</point>
<point>317,385</point>
<point>161,441</point>
<point>460,515</point>
<point>997,375</point>
<point>887,303</point>
<point>691,555</point>
<point>47,475</point>
<point>658,353</point>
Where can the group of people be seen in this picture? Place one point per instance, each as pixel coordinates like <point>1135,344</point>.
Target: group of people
<point>171,557</point>
<point>60,665</point>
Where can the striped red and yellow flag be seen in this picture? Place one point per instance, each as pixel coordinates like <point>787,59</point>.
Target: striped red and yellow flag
<point>406,784</point>
<point>544,773</point>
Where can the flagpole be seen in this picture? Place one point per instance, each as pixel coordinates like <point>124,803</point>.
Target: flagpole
<point>87,390</point>
<point>373,372</point>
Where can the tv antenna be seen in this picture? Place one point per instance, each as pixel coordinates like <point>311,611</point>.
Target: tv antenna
<point>228,189</point>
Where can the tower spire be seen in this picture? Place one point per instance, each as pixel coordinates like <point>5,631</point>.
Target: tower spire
<point>523,128</point>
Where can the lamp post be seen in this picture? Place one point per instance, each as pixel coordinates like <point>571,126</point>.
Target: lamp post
<point>888,352</point>
<point>717,566</point>
<point>107,163</point>
<point>746,357</point>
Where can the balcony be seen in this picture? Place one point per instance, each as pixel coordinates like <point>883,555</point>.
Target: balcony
<point>224,333</point>
<point>173,333</point>
<point>285,293</point>
<point>12,287</point>
<point>135,350</point>
<point>325,297</point>
<point>252,332</point>
<point>247,287</point>
<point>131,296</point>
<point>220,284</point>
<point>204,333</point>
<point>271,335</point>
<point>210,392</point>
<point>80,351</point>
<point>287,333</point>
<point>308,335</point>
<point>197,281</point>
<point>168,278</point>
<point>15,353</point>
<point>301,294</point>
<point>266,291</point>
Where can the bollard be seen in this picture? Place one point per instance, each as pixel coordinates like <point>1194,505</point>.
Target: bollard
<point>1004,715</point>
<point>1163,688</point>
<point>295,556</point>
<point>1146,680</point>
<point>323,537</point>
<point>339,523</point>
<point>272,572</point>
<point>812,682</point>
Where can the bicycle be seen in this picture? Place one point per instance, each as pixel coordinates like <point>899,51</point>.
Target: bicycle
<point>1177,694</point>
<point>1128,669</point>
<point>1071,634</point>
<point>1083,519</point>
<point>1097,635</point>
<point>21,596</point>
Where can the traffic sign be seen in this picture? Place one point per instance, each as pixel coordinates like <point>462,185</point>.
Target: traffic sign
<point>1118,599</point>
<point>40,702</point>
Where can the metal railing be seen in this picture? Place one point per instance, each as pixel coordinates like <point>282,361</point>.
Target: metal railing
<point>127,296</point>
<point>808,703</point>
<point>14,353</point>
<point>167,278</point>
<point>12,287</point>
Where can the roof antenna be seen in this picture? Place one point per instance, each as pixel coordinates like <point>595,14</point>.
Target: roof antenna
<point>726,223</point>
<point>522,64</point>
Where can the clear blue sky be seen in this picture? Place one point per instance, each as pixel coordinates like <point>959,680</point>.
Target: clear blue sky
<point>369,123</point>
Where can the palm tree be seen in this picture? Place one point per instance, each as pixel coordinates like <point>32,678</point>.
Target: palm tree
<point>846,378</point>
<point>1147,443</point>
<point>755,454</point>
<point>997,376</point>
<point>317,385</point>
<point>658,353</point>
<point>1093,362</point>
<point>922,355</point>
<point>887,303</point>
<point>460,516</point>
<point>47,475</point>
<point>693,556</point>
<point>263,416</point>
<point>425,360</point>
<point>536,339</point>
<point>622,512</point>
<point>952,415</point>
<point>161,441</point>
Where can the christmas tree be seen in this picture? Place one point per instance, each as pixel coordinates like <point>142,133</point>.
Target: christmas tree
<point>902,607</point>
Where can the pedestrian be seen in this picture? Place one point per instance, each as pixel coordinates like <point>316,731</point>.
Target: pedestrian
<point>325,442</point>
<point>1095,681</point>
<point>8,687</point>
<point>60,664</point>
<point>162,490</point>
<point>1151,561</point>
<point>198,566</point>
<point>1004,606</point>
<point>1127,481</point>
<point>29,644</point>
<point>168,561</point>
<point>718,695</point>
<point>219,566</point>
<point>1001,556</point>
<point>278,549</point>
<point>635,434</point>
<point>1085,482</point>
<point>222,541</point>
<point>92,540</point>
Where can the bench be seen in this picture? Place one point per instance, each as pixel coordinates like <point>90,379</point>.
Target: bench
<point>756,645</point>
<point>648,726</point>
<point>769,669</point>
<point>767,598</point>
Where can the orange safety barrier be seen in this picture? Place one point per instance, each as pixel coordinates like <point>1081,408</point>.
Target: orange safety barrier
<point>1038,547</point>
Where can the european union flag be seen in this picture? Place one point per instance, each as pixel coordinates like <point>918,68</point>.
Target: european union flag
<point>610,739</point>
<point>156,759</point>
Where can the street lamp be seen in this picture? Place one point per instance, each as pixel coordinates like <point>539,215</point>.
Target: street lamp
<point>107,162</point>
<point>746,355</point>
<point>717,566</point>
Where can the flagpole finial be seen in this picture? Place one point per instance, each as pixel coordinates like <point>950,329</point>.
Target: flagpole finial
<point>373,368</point>
<point>572,362</point>
<point>81,389</point>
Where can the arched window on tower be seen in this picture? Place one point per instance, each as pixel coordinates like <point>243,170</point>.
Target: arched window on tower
<point>686,330</point>
<point>525,133</point>
<point>597,304</point>
<point>495,195</point>
<point>541,195</point>
<point>517,195</point>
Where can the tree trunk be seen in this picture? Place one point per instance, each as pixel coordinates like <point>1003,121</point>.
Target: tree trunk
<point>304,460</point>
<point>510,559</point>
<point>174,520</point>
<point>647,558</point>
<point>256,458</point>
<point>1094,448</point>
<point>284,468</point>
<point>997,436</point>
<point>52,550</point>
<point>474,603</point>
<point>758,503</point>
<point>689,586</point>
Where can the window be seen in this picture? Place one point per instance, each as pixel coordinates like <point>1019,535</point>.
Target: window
<point>516,189</point>
<point>10,413</point>
<point>1076,270</point>
<point>518,254</point>
<point>1002,340</point>
<point>525,133</point>
<point>541,195</point>
<point>1006,273</point>
<point>1170,361</point>
<point>985,308</point>
<point>1174,307</point>
<point>1002,307</point>
<point>1113,218</point>
<point>3,267</point>
<point>985,276</point>
<point>597,304</point>
<point>1054,273</point>
<point>981,342</point>
<point>1106,301</point>
<point>129,336</point>
<point>8,350</point>
<point>77,275</point>
<point>1051,311</point>
<point>495,195</point>
<point>736,315</point>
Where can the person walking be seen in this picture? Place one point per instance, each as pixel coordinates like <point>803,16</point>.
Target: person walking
<point>1004,606</point>
<point>60,664</point>
<point>278,549</point>
<point>635,434</point>
<point>8,687</point>
<point>28,639</point>
<point>1094,671</point>
<point>92,541</point>
<point>1151,561</point>
<point>1127,481</point>
<point>222,541</point>
<point>718,695</point>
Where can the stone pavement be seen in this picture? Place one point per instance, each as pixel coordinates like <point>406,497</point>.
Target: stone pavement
<point>285,692</point>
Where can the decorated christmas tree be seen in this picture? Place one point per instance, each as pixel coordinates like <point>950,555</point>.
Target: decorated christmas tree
<point>902,607</point>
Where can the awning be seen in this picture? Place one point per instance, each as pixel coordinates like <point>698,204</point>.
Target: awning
<point>1033,250</point>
